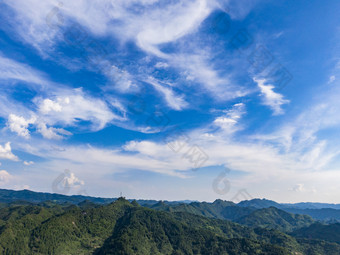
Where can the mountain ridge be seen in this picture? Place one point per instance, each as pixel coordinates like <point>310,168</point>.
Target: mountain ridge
<point>219,209</point>
<point>8,195</point>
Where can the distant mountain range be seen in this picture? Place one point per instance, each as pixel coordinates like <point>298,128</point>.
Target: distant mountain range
<point>44,223</point>
<point>264,203</point>
<point>318,211</point>
<point>8,196</point>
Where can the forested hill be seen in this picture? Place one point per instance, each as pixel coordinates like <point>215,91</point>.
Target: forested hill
<point>124,227</point>
<point>228,210</point>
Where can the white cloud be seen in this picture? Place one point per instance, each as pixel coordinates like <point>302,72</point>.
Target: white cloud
<point>229,121</point>
<point>28,163</point>
<point>71,180</point>
<point>173,22</point>
<point>249,156</point>
<point>299,136</point>
<point>260,159</point>
<point>198,67</point>
<point>161,65</point>
<point>122,80</point>
<point>278,35</point>
<point>64,107</point>
<point>5,177</point>
<point>20,125</point>
<point>270,98</point>
<point>48,105</point>
<point>331,79</point>
<point>173,101</point>
<point>238,9</point>
<point>21,187</point>
<point>67,182</point>
<point>6,152</point>
<point>223,120</point>
<point>158,157</point>
<point>37,23</point>
<point>145,147</point>
<point>67,107</point>
<point>87,159</point>
<point>153,25</point>
<point>301,188</point>
<point>13,70</point>
<point>298,188</point>
<point>51,132</point>
<point>60,105</point>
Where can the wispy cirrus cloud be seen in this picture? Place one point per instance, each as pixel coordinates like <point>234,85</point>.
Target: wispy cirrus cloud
<point>154,24</point>
<point>173,101</point>
<point>150,27</point>
<point>14,70</point>
<point>270,98</point>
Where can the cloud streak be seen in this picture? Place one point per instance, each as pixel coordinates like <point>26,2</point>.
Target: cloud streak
<point>273,100</point>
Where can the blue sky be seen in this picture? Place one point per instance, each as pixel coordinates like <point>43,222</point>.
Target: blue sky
<point>172,100</point>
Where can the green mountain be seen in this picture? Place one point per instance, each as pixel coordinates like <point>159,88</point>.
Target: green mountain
<point>275,219</point>
<point>324,214</point>
<point>266,218</point>
<point>43,223</point>
<point>260,203</point>
<point>17,224</point>
<point>219,209</point>
<point>117,228</point>
<point>128,228</point>
<point>153,232</point>
<point>320,231</point>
